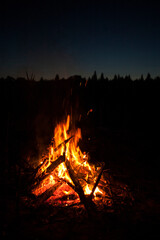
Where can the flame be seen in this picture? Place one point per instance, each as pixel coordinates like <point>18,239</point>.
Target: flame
<point>85,172</point>
<point>87,190</point>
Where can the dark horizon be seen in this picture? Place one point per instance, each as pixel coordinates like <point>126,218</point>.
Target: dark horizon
<point>76,38</point>
<point>94,76</point>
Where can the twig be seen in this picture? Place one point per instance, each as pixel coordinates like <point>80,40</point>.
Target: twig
<point>63,143</point>
<point>97,181</point>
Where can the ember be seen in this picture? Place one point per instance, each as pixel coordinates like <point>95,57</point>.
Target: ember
<point>65,175</point>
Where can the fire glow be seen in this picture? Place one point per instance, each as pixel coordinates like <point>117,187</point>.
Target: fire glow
<point>72,178</point>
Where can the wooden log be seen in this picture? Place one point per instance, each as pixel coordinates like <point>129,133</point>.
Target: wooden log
<point>97,181</point>
<point>40,199</point>
<point>69,183</point>
<point>55,164</point>
<point>35,173</point>
<point>63,143</point>
<point>87,202</point>
<point>69,197</point>
<point>51,168</point>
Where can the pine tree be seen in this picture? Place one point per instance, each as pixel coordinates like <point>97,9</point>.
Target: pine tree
<point>94,77</point>
<point>57,77</point>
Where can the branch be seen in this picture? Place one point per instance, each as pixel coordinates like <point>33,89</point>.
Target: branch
<point>55,164</point>
<point>45,195</point>
<point>86,201</point>
<point>63,143</point>
<point>97,181</point>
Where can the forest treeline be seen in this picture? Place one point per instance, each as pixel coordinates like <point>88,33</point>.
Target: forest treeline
<point>30,110</point>
<point>119,102</point>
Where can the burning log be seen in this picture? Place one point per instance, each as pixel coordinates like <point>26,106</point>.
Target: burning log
<point>51,168</point>
<point>63,143</point>
<point>69,184</point>
<point>87,202</point>
<point>54,164</point>
<point>97,181</point>
<point>69,197</point>
<point>48,193</point>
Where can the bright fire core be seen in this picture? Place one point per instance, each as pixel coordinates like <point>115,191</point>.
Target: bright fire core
<point>85,172</point>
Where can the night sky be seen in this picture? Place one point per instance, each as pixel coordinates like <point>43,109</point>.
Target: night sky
<point>78,37</point>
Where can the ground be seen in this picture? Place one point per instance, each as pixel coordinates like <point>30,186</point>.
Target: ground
<point>137,220</point>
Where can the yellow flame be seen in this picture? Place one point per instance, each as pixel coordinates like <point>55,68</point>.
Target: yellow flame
<point>78,160</point>
<point>97,191</point>
<point>87,189</point>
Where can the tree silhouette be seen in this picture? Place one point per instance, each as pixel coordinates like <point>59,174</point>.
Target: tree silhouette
<point>102,77</point>
<point>115,77</point>
<point>94,77</point>
<point>57,77</point>
<point>31,77</point>
<point>148,78</point>
<point>142,78</point>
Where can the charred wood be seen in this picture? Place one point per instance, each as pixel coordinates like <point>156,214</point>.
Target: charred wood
<point>87,202</point>
<point>55,164</point>
<point>36,173</point>
<point>69,197</point>
<point>63,143</point>
<point>69,183</point>
<point>97,181</point>
<point>48,193</point>
<point>51,168</point>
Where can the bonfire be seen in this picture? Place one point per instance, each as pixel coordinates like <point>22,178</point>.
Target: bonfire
<point>65,175</point>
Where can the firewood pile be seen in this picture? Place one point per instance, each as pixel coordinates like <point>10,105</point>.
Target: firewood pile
<point>65,177</point>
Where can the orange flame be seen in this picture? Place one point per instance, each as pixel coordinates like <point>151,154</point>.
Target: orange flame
<point>86,173</point>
